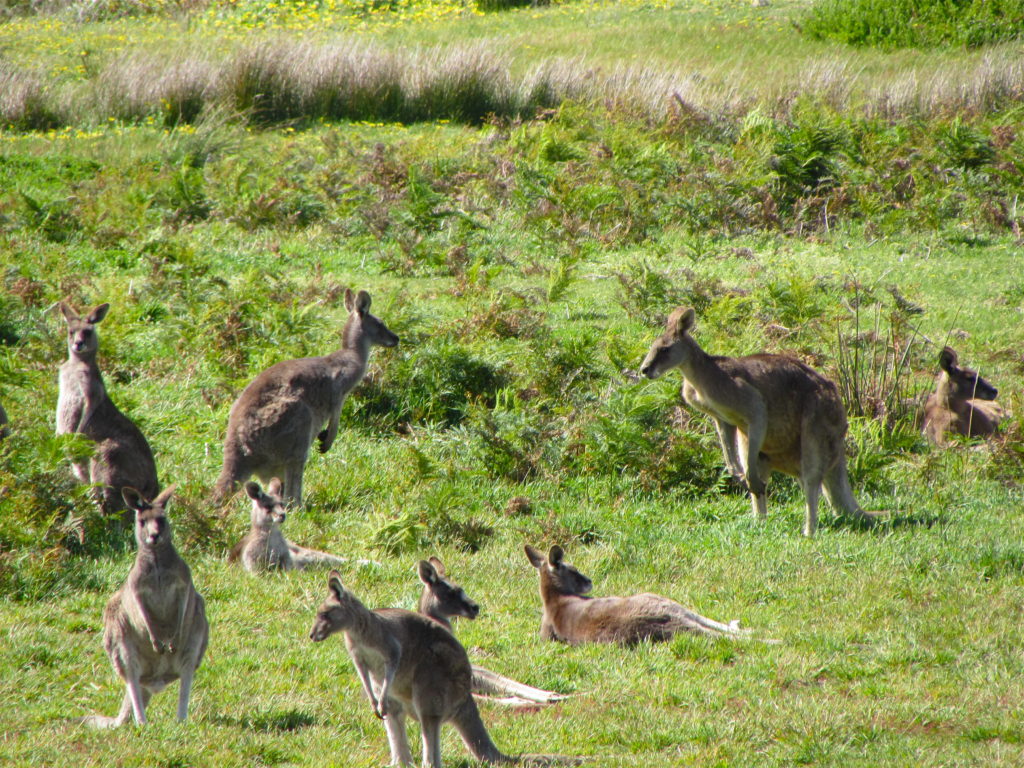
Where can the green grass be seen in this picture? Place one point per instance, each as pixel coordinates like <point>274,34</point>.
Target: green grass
<point>527,265</point>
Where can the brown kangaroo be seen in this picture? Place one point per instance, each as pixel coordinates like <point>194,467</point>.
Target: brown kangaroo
<point>123,457</point>
<point>771,412</point>
<point>154,627</point>
<point>264,547</point>
<point>962,403</point>
<point>571,617</point>
<point>408,662</point>
<point>441,600</point>
<point>273,422</point>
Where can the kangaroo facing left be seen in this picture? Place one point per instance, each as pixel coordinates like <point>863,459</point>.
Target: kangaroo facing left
<point>154,627</point>
<point>122,458</point>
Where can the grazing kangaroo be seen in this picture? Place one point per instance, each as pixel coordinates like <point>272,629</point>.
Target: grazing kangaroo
<point>441,600</point>
<point>408,662</point>
<point>771,412</point>
<point>154,627</point>
<point>122,457</point>
<point>273,422</point>
<point>571,617</point>
<point>962,403</point>
<point>264,547</point>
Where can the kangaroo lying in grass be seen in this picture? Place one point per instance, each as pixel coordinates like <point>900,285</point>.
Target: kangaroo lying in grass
<point>441,600</point>
<point>962,403</point>
<point>409,663</point>
<point>771,412</point>
<point>264,547</point>
<point>274,421</point>
<point>123,457</point>
<point>154,627</point>
<point>571,617</point>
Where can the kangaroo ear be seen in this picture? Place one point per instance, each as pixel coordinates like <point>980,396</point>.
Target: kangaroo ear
<point>164,496</point>
<point>681,320</point>
<point>947,359</point>
<point>438,566</point>
<point>536,558</point>
<point>363,302</point>
<point>274,487</point>
<point>555,555</point>
<point>334,584</point>
<point>253,491</point>
<point>98,313</point>
<point>350,299</point>
<point>68,311</point>
<point>427,573</point>
<point>133,499</point>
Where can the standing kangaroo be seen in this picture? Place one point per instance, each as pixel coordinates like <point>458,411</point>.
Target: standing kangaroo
<point>771,412</point>
<point>273,422</point>
<point>264,547</point>
<point>571,617</point>
<point>122,457</point>
<point>962,403</point>
<point>154,627</point>
<point>441,600</point>
<point>408,662</point>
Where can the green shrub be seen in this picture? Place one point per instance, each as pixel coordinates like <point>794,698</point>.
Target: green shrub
<point>916,23</point>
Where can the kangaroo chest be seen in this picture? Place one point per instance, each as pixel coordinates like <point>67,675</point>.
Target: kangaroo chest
<point>71,400</point>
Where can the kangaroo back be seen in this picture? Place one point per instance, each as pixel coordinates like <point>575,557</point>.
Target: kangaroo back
<point>276,418</point>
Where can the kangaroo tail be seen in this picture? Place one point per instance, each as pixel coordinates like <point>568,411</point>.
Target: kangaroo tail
<point>840,494</point>
<point>474,735</point>
<point>492,684</point>
<point>313,558</point>
<point>104,722</point>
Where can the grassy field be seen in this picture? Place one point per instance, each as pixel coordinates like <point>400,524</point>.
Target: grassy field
<point>527,262</point>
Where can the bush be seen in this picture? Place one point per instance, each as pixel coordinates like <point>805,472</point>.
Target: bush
<point>916,23</point>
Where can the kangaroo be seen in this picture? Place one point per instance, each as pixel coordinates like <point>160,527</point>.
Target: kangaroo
<point>571,617</point>
<point>4,431</point>
<point>273,422</point>
<point>122,457</point>
<point>408,662</point>
<point>441,600</point>
<point>264,547</point>
<point>154,627</point>
<point>771,412</point>
<point>962,403</point>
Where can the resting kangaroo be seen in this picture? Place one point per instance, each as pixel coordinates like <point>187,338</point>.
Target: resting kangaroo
<point>440,601</point>
<point>274,421</point>
<point>408,662</point>
<point>154,627</point>
<point>771,412</point>
<point>571,617</point>
<point>264,547</point>
<point>962,403</point>
<point>122,457</point>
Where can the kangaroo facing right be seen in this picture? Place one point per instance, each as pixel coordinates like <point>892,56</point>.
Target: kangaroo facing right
<point>572,617</point>
<point>963,403</point>
<point>771,412</point>
<point>274,421</point>
<point>123,458</point>
<point>409,663</point>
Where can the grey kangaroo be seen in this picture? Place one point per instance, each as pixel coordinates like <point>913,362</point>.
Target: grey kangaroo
<point>264,547</point>
<point>274,421</point>
<point>441,600</point>
<point>771,412</point>
<point>122,457</point>
<point>154,627</point>
<point>571,617</point>
<point>962,403</point>
<point>409,663</point>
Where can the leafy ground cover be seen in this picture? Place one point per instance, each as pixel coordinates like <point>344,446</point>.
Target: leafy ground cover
<point>526,264</point>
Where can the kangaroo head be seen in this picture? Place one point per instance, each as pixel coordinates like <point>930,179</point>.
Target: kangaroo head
<point>82,337</point>
<point>337,612</point>
<point>363,328</point>
<point>152,527</point>
<point>674,347</point>
<point>963,383</point>
<point>556,575</point>
<point>441,598</point>
<point>267,508</point>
